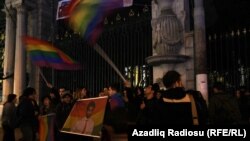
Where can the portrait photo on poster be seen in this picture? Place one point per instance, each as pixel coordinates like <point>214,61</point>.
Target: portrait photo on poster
<point>86,117</point>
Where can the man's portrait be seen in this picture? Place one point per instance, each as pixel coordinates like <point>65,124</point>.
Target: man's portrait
<point>86,117</point>
<point>86,124</point>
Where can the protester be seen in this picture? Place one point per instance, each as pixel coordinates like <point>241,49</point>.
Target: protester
<point>47,107</point>
<point>28,112</point>
<point>177,106</point>
<point>115,113</point>
<point>8,118</point>
<point>149,107</point>
<point>62,111</point>
<point>223,107</point>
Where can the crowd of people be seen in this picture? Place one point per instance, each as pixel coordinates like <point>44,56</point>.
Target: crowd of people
<point>128,105</point>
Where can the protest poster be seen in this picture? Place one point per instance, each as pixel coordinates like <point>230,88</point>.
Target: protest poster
<point>86,117</point>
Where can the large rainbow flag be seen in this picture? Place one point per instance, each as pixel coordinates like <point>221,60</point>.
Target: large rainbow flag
<point>45,54</point>
<point>47,127</point>
<point>87,16</point>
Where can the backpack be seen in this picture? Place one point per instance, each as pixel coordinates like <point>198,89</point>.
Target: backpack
<point>201,106</point>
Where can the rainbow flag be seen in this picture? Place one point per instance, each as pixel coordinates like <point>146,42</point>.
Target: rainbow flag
<point>47,127</point>
<point>87,16</point>
<point>45,54</point>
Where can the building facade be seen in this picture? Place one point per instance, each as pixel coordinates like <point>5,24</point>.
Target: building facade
<point>144,41</point>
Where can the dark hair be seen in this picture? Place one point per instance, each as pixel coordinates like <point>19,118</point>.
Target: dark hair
<point>170,78</point>
<point>67,94</point>
<point>91,104</point>
<point>139,88</point>
<point>155,87</point>
<point>62,87</point>
<point>55,92</point>
<point>115,86</point>
<point>28,91</point>
<point>46,96</point>
<point>10,98</point>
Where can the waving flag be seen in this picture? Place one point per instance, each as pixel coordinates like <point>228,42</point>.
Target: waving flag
<point>62,9</point>
<point>45,54</point>
<point>46,127</point>
<point>86,16</point>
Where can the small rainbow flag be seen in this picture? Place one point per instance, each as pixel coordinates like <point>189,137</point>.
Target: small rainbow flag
<point>45,54</point>
<point>47,127</point>
<point>86,16</point>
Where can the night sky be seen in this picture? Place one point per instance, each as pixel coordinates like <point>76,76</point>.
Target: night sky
<point>227,14</point>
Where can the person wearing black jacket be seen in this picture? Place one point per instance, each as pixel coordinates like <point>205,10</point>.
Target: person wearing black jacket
<point>27,112</point>
<point>62,111</point>
<point>223,107</point>
<point>8,118</point>
<point>176,106</point>
<point>149,108</point>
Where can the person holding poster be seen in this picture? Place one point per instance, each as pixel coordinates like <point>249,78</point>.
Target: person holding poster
<point>86,124</point>
<point>86,117</point>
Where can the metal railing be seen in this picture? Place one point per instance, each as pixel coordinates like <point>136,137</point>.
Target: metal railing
<point>228,59</point>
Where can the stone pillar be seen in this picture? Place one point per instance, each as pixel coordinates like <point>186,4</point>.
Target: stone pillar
<point>200,49</point>
<point>20,55</point>
<point>33,31</point>
<point>32,69</point>
<point>9,52</point>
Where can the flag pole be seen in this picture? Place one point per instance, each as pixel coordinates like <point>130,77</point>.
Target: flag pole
<point>45,80</point>
<point>99,50</point>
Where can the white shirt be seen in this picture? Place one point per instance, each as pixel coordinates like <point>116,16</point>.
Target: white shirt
<point>83,126</point>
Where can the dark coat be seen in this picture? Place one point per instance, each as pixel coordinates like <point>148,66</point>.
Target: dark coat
<point>224,109</point>
<point>9,114</point>
<point>175,110</point>
<point>150,114</point>
<point>27,112</point>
